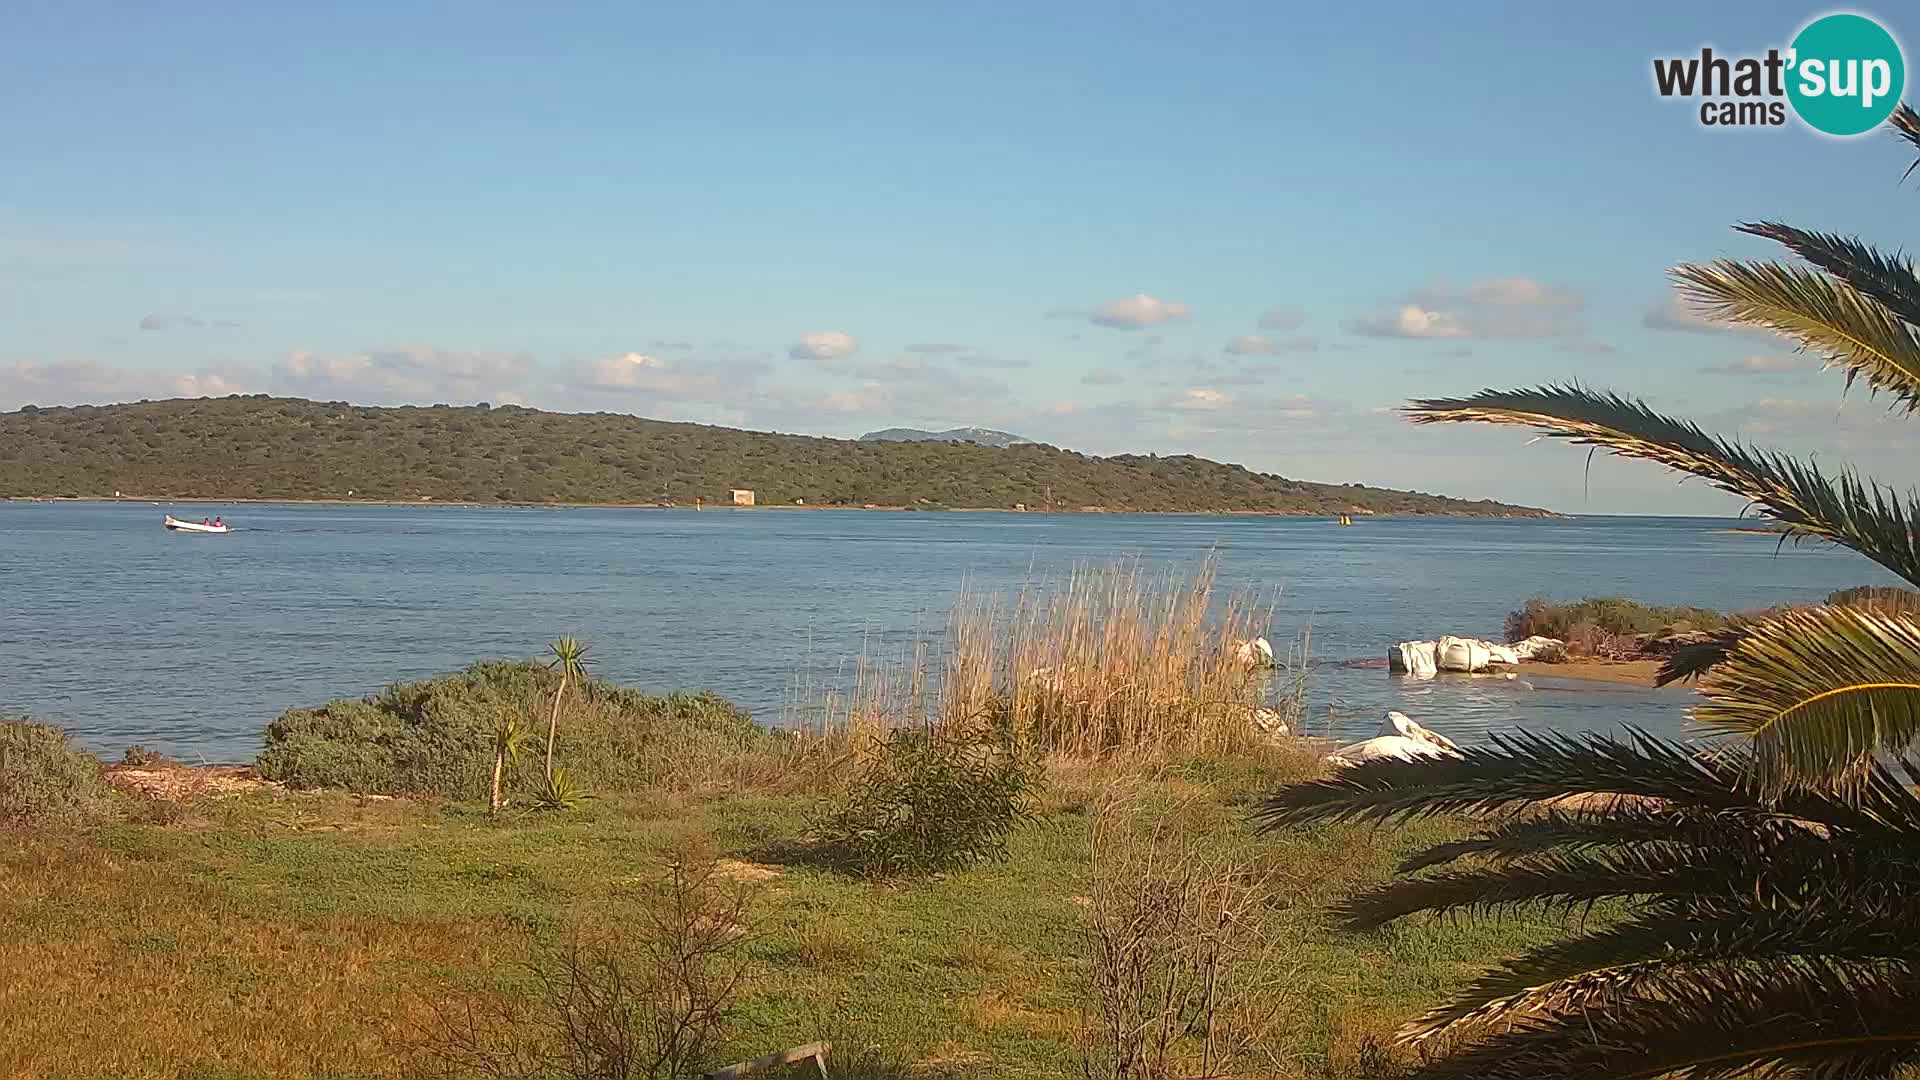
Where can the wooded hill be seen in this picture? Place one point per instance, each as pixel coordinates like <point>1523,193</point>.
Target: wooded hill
<point>260,447</point>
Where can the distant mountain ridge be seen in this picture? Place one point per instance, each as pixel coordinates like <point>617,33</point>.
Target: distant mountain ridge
<point>983,436</point>
<point>267,448</point>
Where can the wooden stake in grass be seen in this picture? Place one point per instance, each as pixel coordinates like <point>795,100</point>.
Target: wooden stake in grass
<point>570,659</point>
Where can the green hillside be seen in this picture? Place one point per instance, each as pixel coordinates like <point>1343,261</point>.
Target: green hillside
<point>262,447</point>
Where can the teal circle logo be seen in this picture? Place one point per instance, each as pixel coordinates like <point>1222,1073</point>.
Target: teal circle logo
<point>1845,74</point>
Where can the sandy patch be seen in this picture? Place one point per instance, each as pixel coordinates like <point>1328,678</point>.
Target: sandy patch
<point>177,783</point>
<point>1627,672</point>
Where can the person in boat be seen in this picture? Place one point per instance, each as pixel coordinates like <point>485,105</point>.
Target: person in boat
<point>217,525</point>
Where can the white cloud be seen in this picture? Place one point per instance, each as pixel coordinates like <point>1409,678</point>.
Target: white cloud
<point>86,382</point>
<point>1103,377</point>
<point>1261,345</point>
<point>1410,321</point>
<point>1518,292</point>
<point>1509,307</point>
<point>1676,314</point>
<point>405,375</point>
<point>1281,319</point>
<point>823,345</point>
<point>1200,399</point>
<point>1137,311</point>
<point>1760,365</point>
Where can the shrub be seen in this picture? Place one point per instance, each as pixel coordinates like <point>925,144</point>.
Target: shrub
<point>45,780</point>
<point>1890,600</point>
<point>928,801</point>
<point>1184,976</point>
<point>140,757</point>
<point>647,1001</point>
<point>437,736</point>
<point>1612,616</point>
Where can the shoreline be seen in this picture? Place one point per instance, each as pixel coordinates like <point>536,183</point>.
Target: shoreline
<point>1639,673</point>
<point>218,501</point>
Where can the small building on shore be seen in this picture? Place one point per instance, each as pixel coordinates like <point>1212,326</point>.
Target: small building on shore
<point>742,496</point>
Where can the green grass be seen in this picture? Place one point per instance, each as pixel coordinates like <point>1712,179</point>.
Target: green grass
<point>206,944</point>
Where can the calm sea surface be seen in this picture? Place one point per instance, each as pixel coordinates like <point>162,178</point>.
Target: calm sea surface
<point>123,632</point>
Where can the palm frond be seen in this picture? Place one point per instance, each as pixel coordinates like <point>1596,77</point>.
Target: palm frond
<point>1889,279</point>
<point>1760,867</point>
<point>1844,509</point>
<point>1906,123</point>
<point>1835,317</point>
<point>1527,768</point>
<point>1693,661</point>
<point>1517,837</point>
<point>1819,691</point>
<point>1835,1020</point>
<point>1588,970</point>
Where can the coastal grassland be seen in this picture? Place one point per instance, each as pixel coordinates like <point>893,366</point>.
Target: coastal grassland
<point>316,934</point>
<point>342,921</point>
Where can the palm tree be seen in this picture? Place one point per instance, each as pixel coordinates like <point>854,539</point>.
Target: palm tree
<point>1817,691</point>
<point>509,739</point>
<point>569,658</point>
<point>1769,884</point>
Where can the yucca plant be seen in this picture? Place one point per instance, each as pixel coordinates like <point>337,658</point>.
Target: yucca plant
<point>568,656</point>
<point>1767,885</point>
<point>509,741</point>
<point>559,791</point>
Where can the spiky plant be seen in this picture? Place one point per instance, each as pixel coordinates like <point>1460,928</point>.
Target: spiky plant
<point>568,656</point>
<point>509,741</point>
<point>1769,883</point>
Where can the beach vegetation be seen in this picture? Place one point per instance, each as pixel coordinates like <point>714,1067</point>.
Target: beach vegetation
<point>45,780</point>
<point>930,800</point>
<point>442,736</point>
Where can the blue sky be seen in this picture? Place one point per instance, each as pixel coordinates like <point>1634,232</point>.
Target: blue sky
<point>1066,220</point>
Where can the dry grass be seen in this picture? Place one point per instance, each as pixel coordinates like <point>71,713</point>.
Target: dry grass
<point>166,979</point>
<point>1107,661</point>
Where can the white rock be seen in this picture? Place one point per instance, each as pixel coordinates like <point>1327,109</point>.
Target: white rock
<point>1461,654</point>
<point>1411,658</point>
<point>1502,654</point>
<point>1255,653</point>
<point>1399,723</point>
<point>1386,746</point>
<point>1535,645</point>
<point>1401,738</point>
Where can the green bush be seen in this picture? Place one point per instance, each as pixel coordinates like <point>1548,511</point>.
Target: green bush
<point>1613,616</point>
<point>45,780</point>
<point>435,737</point>
<point>928,802</point>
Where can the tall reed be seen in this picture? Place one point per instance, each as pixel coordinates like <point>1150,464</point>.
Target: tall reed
<point>1106,659</point>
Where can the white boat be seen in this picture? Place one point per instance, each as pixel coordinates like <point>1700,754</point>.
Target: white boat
<point>192,526</point>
